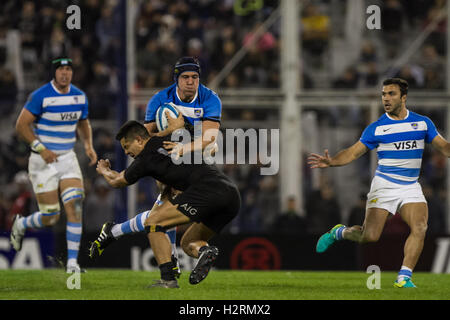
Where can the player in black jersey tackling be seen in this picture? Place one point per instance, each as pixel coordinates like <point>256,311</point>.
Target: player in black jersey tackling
<point>209,199</point>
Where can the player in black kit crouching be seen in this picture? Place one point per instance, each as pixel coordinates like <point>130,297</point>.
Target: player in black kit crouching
<point>209,199</point>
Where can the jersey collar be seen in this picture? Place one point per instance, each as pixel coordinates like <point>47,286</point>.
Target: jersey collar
<point>193,99</point>
<point>407,115</point>
<point>54,88</point>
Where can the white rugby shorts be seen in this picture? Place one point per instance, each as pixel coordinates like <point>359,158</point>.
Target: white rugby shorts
<point>45,177</point>
<point>391,196</point>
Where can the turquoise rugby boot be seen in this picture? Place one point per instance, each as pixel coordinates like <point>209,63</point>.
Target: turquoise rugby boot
<point>327,239</point>
<point>406,283</point>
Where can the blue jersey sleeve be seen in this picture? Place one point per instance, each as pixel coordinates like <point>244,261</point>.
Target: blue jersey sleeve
<point>34,104</point>
<point>212,109</point>
<point>152,107</point>
<point>85,110</point>
<point>431,130</point>
<point>368,137</point>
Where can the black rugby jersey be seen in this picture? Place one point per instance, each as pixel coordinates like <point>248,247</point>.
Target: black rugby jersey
<point>154,161</point>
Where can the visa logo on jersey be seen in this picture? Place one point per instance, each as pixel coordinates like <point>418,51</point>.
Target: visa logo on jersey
<point>405,145</point>
<point>69,116</point>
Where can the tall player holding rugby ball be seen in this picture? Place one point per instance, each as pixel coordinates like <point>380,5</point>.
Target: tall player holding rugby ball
<point>399,136</point>
<point>196,104</point>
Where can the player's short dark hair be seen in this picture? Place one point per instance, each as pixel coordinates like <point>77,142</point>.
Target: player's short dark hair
<point>132,129</point>
<point>403,84</point>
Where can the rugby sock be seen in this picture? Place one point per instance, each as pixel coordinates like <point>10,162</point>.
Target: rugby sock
<point>172,234</point>
<point>405,273</point>
<point>167,271</point>
<point>340,233</point>
<point>135,224</point>
<point>34,220</point>
<point>73,236</point>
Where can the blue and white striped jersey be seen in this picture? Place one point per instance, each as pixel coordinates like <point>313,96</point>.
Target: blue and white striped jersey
<point>57,115</point>
<point>206,105</point>
<point>400,145</point>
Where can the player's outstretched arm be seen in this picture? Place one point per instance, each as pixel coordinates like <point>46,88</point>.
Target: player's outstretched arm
<point>441,145</point>
<point>342,158</point>
<point>115,179</point>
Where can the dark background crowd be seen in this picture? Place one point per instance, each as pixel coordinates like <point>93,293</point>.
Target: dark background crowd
<point>212,31</point>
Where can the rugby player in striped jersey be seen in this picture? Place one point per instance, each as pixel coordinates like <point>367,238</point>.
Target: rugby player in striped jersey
<point>49,122</point>
<point>399,136</point>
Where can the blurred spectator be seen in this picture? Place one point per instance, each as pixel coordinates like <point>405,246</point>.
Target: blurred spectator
<point>56,45</point>
<point>232,81</point>
<point>367,65</point>
<point>413,74</point>
<point>106,28</point>
<point>392,21</point>
<point>28,24</point>
<point>99,206</point>
<point>370,75</point>
<point>416,10</point>
<point>102,91</point>
<point>433,80</point>
<point>368,52</point>
<point>358,212</point>
<point>81,75</point>
<point>91,14</point>
<point>322,209</point>
<point>8,92</point>
<point>265,42</point>
<point>437,223</point>
<point>105,145</point>
<point>249,218</point>
<point>290,221</point>
<point>349,80</point>
<point>22,203</point>
<point>315,31</point>
<point>438,36</point>
<point>430,59</point>
<point>15,155</point>
<point>148,61</point>
<point>432,64</point>
<point>434,170</point>
<point>5,204</point>
<point>193,28</point>
<point>195,49</point>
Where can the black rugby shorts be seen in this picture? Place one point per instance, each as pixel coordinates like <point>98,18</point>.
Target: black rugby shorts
<point>212,201</point>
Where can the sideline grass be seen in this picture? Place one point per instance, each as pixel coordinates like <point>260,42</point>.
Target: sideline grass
<point>108,284</point>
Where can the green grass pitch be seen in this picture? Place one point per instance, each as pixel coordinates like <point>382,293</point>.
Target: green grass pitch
<point>109,284</point>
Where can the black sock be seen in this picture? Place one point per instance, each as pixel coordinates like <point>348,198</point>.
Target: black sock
<point>167,271</point>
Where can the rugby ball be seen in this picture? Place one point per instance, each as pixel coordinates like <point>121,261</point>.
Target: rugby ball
<point>161,120</point>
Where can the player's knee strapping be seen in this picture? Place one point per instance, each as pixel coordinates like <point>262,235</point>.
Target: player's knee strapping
<point>155,228</point>
<point>72,194</point>
<point>49,210</point>
<point>76,195</point>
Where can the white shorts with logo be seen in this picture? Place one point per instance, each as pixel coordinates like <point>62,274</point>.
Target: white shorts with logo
<point>45,177</point>
<point>391,196</point>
